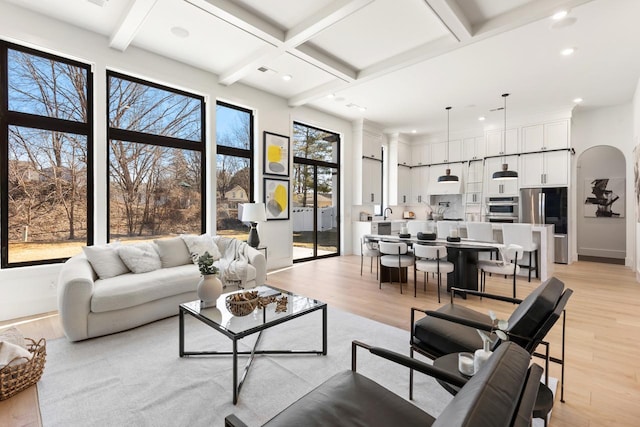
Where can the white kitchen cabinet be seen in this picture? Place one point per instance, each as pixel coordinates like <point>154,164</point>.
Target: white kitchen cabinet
<point>494,142</point>
<point>547,136</point>
<point>371,182</point>
<point>556,135</point>
<point>404,185</point>
<point>419,185</point>
<point>548,169</point>
<point>372,145</point>
<point>441,152</point>
<point>507,187</point>
<point>420,154</point>
<point>473,148</point>
<point>404,154</point>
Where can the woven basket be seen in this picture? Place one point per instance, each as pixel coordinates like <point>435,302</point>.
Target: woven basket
<point>14,379</point>
<point>241,308</point>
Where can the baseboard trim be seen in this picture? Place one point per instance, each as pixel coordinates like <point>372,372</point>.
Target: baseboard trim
<point>617,261</point>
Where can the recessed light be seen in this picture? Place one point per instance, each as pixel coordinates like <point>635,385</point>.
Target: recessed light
<point>362,109</point>
<point>577,100</point>
<point>481,118</point>
<point>561,14</point>
<point>331,95</point>
<point>414,131</point>
<point>180,32</point>
<point>287,77</point>
<point>568,51</point>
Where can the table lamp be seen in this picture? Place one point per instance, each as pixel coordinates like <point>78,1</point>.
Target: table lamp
<point>253,213</point>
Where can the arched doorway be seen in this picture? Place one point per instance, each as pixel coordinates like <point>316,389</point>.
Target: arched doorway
<point>601,207</point>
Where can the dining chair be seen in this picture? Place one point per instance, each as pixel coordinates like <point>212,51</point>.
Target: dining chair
<point>394,255</point>
<point>522,235</point>
<point>507,266</point>
<point>482,232</point>
<point>431,259</point>
<point>370,249</point>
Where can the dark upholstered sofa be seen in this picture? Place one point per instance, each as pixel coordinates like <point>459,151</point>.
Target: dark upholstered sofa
<point>501,394</point>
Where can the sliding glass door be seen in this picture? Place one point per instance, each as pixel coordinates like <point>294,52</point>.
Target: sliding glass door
<point>315,208</point>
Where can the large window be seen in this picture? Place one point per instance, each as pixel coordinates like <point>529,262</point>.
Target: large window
<point>315,200</point>
<point>46,122</point>
<point>234,168</point>
<point>156,160</point>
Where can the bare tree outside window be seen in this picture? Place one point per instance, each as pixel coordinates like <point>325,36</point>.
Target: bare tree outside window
<point>47,152</point>
<point>234,135</point>
<point>155,160</point>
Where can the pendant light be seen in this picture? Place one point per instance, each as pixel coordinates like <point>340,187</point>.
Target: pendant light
<point>505,173</point>
<point>447,177</point>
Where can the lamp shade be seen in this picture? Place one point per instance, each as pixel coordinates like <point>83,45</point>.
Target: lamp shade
<point>254,212</point>
<point>505,173</point>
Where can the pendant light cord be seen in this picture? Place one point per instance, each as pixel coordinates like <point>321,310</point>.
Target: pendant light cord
<point>504,141</point>
<point>448,113</point>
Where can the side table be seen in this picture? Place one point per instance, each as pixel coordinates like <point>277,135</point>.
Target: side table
<point>449,363</point>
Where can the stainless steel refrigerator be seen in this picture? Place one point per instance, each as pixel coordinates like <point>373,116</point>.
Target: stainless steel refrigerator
<point>548,206</point>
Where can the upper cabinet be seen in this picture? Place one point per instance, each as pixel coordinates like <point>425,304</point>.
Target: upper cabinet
<point>372,145</point>
<point>371,182</point>
<point>404,154</point>
<point>443,152</point>
<point>548,136</point>
<point>404,185</point>
<point>550,169</point>
<point>421,155</point>
<point>473,148</point>
<point>495,146</point>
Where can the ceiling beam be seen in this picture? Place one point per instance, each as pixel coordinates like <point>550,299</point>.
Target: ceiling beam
<point>322,20</point>
<point>242,19</point>
<point>452,17</point>
<point>290,42</point>
<point>131,23</point>
<point>316,92</point>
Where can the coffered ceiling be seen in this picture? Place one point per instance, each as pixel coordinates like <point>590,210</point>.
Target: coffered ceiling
<point>398,63</point>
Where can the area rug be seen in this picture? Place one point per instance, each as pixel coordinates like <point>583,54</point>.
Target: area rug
<point>136,378</point>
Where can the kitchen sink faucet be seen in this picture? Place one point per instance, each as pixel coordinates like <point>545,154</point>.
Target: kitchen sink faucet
<point>384,214</point>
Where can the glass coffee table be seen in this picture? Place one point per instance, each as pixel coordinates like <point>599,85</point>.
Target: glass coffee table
<point>237,327</point>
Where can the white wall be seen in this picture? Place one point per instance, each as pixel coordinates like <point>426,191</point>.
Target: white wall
<point>31,290</point>
<point>612,126</point>
<point>636,163</point>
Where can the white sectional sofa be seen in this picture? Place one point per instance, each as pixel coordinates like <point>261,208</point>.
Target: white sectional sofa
<point>98,294</point>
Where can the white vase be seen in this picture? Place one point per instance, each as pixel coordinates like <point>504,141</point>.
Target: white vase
<point>481,356</point>
<point>209,289</point>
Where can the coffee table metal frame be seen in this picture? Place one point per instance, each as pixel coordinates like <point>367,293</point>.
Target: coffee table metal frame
<point>235,337</point>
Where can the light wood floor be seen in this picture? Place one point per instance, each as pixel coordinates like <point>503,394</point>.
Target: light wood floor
<point>602,384</point>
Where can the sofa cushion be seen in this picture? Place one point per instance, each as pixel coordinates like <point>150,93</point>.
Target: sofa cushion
<point>140,257</point>
<point>350,399</point>
<point>129,290</point>
<point>105,260</point>
<point>198,245</point>
<point>173,252</point>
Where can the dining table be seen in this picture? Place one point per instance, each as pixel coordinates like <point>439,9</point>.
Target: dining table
<point>463,254</point>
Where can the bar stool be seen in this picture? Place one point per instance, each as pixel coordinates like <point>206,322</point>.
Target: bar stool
<point>482,232</point>
<point>370,249</point>
<point>522,235</point>
<point>431,259</point>
<point>394,255</point>
<point>444,227</point>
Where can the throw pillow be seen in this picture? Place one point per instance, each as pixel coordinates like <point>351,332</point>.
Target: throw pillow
<point>198,245</point>
<point>14,336</point>
<point>173,252</point>
<point>10,351</point>
<point>105,260</point>
<point>140,257</point>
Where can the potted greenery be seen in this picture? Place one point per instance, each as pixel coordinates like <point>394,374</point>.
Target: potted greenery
<point>210,286</point>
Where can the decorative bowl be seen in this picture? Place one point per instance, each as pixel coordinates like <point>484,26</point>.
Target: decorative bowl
<point>242,304</point>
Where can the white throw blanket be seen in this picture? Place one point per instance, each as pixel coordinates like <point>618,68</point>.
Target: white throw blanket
<point>234,261</point>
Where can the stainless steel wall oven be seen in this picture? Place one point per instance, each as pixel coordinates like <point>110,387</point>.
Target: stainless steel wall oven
<point>502,209</point>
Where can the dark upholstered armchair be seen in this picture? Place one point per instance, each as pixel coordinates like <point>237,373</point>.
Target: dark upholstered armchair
<point>452,328</point>
<point>502,394</point>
